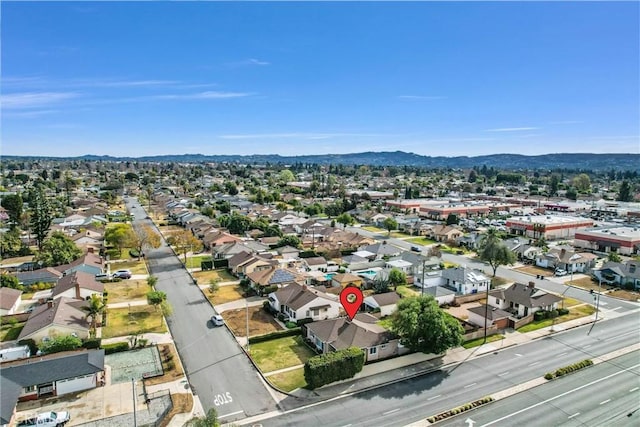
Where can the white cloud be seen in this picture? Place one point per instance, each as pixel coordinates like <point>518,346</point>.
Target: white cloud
<point>34,99</point>
<point>511,129</point>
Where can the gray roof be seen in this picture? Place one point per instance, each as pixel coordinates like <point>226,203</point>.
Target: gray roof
<point>438,291</point>
<point>8,297</point>
<point>630,269</point>
<point>44,275</point>
<point>296,296</point>
<point>78,279</point>
<point>341,333</point>
<point>62,311</point>
<point>14,376</point>
<point>527,296</point>
<point>464,275</point>
<point>387,298</point>
<point>381,249</point>
<point>492,314</point>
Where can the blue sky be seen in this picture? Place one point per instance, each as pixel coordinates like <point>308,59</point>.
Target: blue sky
<point>146,78</point>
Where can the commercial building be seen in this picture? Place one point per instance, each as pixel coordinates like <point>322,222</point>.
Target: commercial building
<point>548,226</point>
<point>622,239</point>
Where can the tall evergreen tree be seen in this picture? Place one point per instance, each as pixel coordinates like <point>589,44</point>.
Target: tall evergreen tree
<point>624,194</point>
<point>40,216</point>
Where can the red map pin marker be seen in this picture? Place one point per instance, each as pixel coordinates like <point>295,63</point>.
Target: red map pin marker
<point>351,299</point>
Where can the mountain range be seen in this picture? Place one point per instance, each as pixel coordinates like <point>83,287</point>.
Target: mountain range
<point>572,161</point>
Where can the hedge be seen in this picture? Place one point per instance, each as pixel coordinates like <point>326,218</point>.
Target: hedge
<point>221,263</point>
<point>273,335</point>
<point>568,369</point>
<point>206,265</point>
<point>92,343</point>
<point>460,409</point>
<point>115,347</point>
<point>335,366</point>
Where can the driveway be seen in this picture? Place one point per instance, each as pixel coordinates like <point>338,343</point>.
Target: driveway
<point>219,372</point>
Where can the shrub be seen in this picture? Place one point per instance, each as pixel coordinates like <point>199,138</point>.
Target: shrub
<point>563,311</point>
<point>33,348</point>
<point>115,347</point>
<point>281,317</point>
<point>291,324</point>
<point>335,366</point>
<point>548,376</point>
<point>268,289</point>
<point>304,321</point>
<point>273,335</point>
<point>553,313</point>
<point>92,343</point>
<point>134,253</point>
<point>538,316</point>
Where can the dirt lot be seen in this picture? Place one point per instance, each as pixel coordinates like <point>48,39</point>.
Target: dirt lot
<point>170,365</point>
<point>588,283</point>
<point>533,270</point>
<point>224,294</point>
<point>127,290</point>
<point>622,294</point>
<point>260,322</point>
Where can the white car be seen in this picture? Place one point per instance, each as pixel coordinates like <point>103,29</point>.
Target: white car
<point>217,320</point>
<point>561,272</point>
<point>47,419</point>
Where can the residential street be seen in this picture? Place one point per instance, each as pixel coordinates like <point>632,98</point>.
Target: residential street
<point>597,396</point>
<point>218,370</point>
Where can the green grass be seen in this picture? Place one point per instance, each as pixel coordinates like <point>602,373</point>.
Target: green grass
<point>385,323</point>
<point>220,275</point>
<point>448,264</point>
<point>421,241</point>
<point>406,291</point>
<point>399,235</point>
<point>374,229</point>
<point>142,319</point>
<point>575,313</point>
<point>195,261</point>
<point>288,381</point>
<point>126,290</point>
<point>498,281</point>
<point>479,341</point>
<point>115,254</point>
<point>280,353</point>
<point>10,333</point>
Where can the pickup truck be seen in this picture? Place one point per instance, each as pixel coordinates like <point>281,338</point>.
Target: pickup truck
<point>46,419</point>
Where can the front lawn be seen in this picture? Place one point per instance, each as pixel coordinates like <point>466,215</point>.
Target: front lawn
<point>289,381</point>
<point>221,275</point>
<point>588,283</point>
<point>127,290</point>
<point>115,254</point>
<point>196,261</point>
<point>421,241</point>
<point>224,294</point>
<point>11,332</point>
<point>136,267</point>
<point>141,319</point>
<point>534,271</point>
<point>574,313</point>
<point>624,294</point>
<point>280,353</point>
<point>260,322</point>
<point>374,229</point>
<point>479,341</point>
<point>407,291</point>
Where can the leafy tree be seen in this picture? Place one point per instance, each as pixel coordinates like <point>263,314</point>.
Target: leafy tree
<point>390,224</point>
<point>152,280</point>
<point>58,344</point>
<point>11,245</point>
<point>624,193</point>
<point>184,242</point>
<point>289,241</point>
<point>494,251</point>
<point>94,310</point>
<point>582,183</point>
<point>286,176</point>
<point>236,223</point>
<point>345,219</point>
<point>13,204</point>
<point>209,420</point>
<point>571,193</point>
<point>57,249</point>
<point>120,236</point>
<point>40,216</point>
<point>9,281</point>
<point>614,257</point>
<point>156,298</point>
<point>146,238</point>
<point>397,277</point>
<point>213,286</point>
<point>166,309</point>
<point>423,326</point>
<point>380,285</point>
<point>452,219</point>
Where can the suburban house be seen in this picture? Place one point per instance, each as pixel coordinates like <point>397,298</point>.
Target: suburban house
<point>523,300</point>
<point>10,300</point>
<point>41,275</point>
<point>345,279</point>
<point>465,281</point>
<point>50,375</point>
<point>363,332</point>
<point>495,316</point>
<point>316,263</point>
<point>271,276</point>
<point>386,303</point>
<point>288,252</point>
<point>445,233</point>
<point>88,239</point>
<point>381,250</point>
<point>62,316</point>
<point>243,264</point>
<point>567,259</point>
<point>441,294</point>
<point>625,274</point>
<point>78,285</point>
<point>216,238</point>
<point>88,263</point>
<point>301,302</point>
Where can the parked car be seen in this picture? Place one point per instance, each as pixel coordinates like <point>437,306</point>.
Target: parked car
<point>122,274</point>
<point>560,272</point>
<point>416,249</point>
<point>47,419</point>
<point>217,320</point>
<point>102,276</point>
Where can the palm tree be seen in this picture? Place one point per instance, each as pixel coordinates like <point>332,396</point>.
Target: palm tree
<point>95,309</point>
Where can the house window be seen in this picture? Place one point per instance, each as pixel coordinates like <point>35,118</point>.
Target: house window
<point>373,350</point>
<point>30,389</point>
<point>308,313</point>
<point>497,301</point>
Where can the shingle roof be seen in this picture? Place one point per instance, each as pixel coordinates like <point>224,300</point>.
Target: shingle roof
<point>88,259</point>
<point>46,275</point>
<point>296,296</point>
<point>526,295</point>
<point>493,313</point>
<point>8,297</point>
<point>62,311</point>
<point>388,298</point>
<point>78,278</point>
<point>14,376</point>
<point>341,333</point>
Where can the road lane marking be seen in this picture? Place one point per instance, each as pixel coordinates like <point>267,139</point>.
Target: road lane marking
<point>434,397</point>
<point>562,354</point>
<point>391,411</point>
<point>470,385</point>
<point>574,415</point>
<point>518,354</point>
<point>633,389</point>
<point>503,374</point>
<point>534,363</point>
<point>544,402</point>
<point>605,401</point>
<point>228,415</point>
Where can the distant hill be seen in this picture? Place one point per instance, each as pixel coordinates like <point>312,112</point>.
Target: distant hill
<point>401,158</point>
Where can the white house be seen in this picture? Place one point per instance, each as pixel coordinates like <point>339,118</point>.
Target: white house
<point>78,285</point>
<point>465,281</point>
<point>9,301</point>
<point>523,300</point>
<point>387,302</point>
<point>302,302</point>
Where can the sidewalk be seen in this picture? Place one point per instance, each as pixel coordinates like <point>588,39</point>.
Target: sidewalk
<point>241,303</point>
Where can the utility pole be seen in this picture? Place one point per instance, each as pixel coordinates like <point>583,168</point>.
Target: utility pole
<point>486,312</point>
<point>424,260</point>
<point>135,419</point>
<point>597,297</point>
<point>246,300</point>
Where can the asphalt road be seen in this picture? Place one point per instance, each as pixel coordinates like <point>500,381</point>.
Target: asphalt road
<point>412,400</point>
<point>606,303</point>
<point>218,370</point>
<point>602,395</point>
